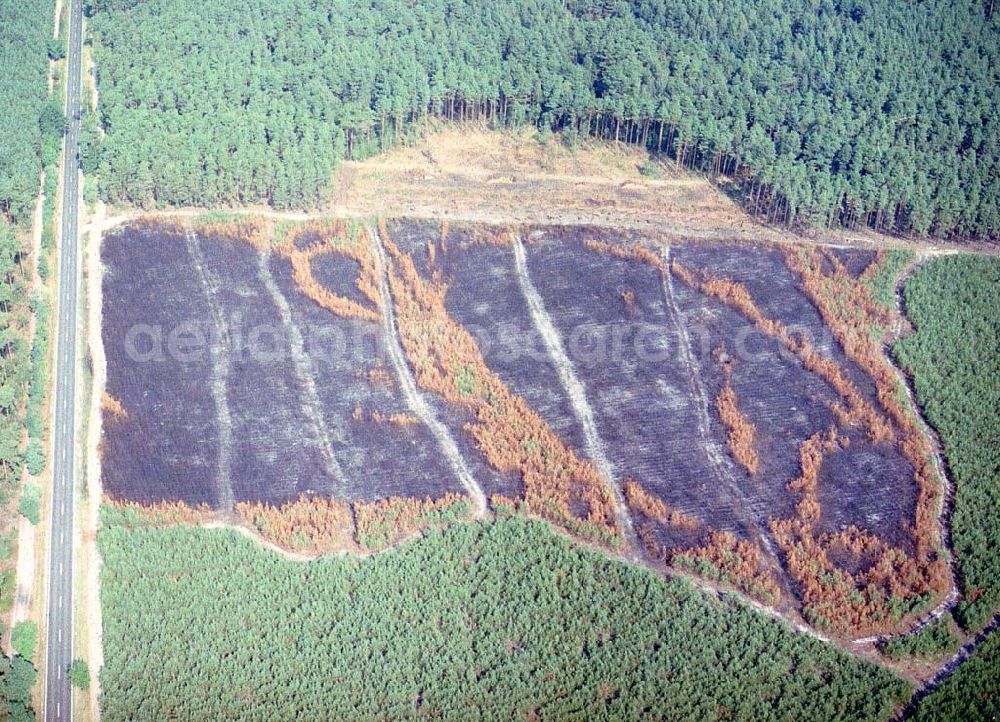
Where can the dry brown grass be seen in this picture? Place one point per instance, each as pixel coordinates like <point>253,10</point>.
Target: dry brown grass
<point>504,177</point>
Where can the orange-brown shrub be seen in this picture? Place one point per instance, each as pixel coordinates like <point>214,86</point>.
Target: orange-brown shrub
<point>855,410</point>
<point>112,408</point>
<point>512,436</point>
<point>400,419</point>
<point>163,513</point>
<point>481,235</point>
<point>382,523</point>
<point>335,237</point>
<point>633,252</point>
<point>378,375</point>
<point>848,307</point>
<point>888,584</point>
<point>255,230</point>
<point>719,556</point>
<point>308,525</point>
<point>733,561</point>
<point>642,503</point>
<point>740,431</point>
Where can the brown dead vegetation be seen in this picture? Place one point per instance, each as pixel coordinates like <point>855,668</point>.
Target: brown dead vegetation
<point>512,436</point>
<point>402,420</point>
<point>741,433</point>
<point>628,299</point>
<point>112,408</point>
<point>378,376</point>
<point>852,410</point>
<point>890,586</point>
<point>255,230</point>
<point>734,561</point>
<point>163,513</point>
<point>717,555</point>
<point>333,236</point>
<point>471,174</point>
<point>850,581</point>
<point>642,502</point>
<point>405,421</point>
<point>382,523</point>
<point>632,252</point>
<point>483,235</point>
<point>883,585</point>
<point>307,526</point>
<point>315,526</point>
<point>848,307</point>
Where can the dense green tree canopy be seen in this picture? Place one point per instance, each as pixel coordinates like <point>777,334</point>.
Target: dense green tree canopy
<point>849,111</point>
<point>502,620</point>
<point>25,33</point>
<point>972,693</point>
<point>954,357</point>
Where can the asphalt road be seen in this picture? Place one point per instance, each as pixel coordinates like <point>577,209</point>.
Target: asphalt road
<point>59,628</point>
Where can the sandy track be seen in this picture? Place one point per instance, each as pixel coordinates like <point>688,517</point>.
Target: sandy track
<point>304,374</point>
<point>575,392</point>
<point>220,353</point>
<point>718,459</point>
<point>414,398</point>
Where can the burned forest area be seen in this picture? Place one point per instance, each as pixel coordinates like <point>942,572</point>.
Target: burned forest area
<point>698,405</point>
